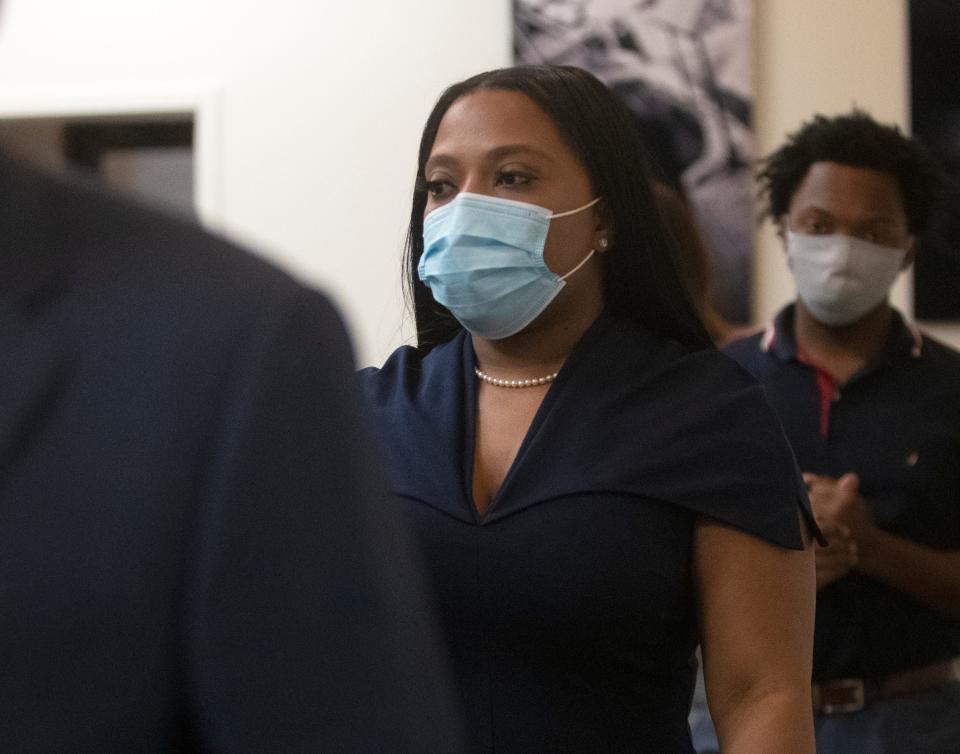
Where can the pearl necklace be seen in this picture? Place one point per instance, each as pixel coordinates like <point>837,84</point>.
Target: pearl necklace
<point>514,383</point>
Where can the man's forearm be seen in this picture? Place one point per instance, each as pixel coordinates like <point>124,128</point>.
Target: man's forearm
<point>927,575</point>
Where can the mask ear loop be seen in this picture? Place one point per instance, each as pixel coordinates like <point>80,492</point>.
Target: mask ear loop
<point>586,259</point>
<point>574,211</point>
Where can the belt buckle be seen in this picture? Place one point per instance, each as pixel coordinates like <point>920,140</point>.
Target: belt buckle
<point>856,703</point>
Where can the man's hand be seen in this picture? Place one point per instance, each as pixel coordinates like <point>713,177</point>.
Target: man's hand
<point>843,517</point>
<point>855,542</point>
<point>838,558</point>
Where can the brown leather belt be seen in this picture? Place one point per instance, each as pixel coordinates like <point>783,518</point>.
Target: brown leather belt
<point>853,694</point>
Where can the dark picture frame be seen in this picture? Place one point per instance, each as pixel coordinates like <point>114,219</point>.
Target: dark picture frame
<point>935,111</point>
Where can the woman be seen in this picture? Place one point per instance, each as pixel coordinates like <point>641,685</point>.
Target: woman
<point>589,479</point>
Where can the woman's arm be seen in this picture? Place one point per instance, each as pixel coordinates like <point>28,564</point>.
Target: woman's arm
<point>756,608</point>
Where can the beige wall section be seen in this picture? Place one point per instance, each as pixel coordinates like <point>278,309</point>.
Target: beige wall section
<point>822,56</point>
<point>826,56</point>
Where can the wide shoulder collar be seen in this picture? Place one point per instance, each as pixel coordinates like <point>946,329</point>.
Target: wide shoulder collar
<point>419,410</point>
<point>629,414</point>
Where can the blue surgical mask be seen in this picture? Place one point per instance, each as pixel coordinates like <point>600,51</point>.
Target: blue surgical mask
<point>483,260</point>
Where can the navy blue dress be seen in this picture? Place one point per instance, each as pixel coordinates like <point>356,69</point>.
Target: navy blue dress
<point>568,608</point>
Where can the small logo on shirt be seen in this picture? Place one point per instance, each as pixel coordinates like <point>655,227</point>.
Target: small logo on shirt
<point>912,458</point>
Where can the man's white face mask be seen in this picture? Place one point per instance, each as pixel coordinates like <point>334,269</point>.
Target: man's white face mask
<point>841,278</point>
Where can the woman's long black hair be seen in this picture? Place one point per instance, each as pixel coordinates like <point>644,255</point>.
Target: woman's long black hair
<point>640,277</point>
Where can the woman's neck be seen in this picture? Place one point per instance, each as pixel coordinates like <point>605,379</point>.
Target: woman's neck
<point>540,349</point>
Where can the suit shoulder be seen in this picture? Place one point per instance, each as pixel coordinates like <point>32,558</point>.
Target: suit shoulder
<point>91,227</point>
<point>157,281</point>
<point>155,268</point>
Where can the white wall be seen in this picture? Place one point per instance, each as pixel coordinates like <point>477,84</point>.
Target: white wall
<point>321,104</point>
<point>824,56</point>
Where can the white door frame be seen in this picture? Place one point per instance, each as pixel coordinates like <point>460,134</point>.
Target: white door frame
<point>201,102</point>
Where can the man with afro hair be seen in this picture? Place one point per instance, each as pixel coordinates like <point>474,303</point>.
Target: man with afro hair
<point>872,408</point>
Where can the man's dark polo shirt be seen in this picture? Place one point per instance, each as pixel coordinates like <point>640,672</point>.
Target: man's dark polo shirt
<point>897,425</point>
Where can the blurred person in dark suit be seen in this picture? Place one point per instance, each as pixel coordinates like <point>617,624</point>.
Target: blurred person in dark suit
<point>193,550</point>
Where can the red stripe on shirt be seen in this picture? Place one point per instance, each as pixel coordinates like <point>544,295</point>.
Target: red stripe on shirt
<point>827,387</point>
